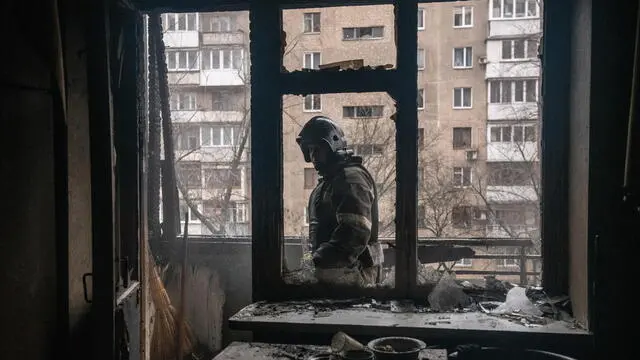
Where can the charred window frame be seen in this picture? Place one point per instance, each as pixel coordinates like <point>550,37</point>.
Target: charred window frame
<point>266,64</point>
<point>267,159</point>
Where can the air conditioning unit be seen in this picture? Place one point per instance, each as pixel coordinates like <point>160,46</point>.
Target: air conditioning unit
<point>472,154</point>
<point>482,60</point>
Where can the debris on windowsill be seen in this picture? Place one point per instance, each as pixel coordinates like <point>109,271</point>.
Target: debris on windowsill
<point>528,306</point>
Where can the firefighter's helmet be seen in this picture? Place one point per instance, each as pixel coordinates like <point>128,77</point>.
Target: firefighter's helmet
<point>319,130</point>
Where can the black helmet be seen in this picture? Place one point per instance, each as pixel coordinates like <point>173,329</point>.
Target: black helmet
<point>318,130</point>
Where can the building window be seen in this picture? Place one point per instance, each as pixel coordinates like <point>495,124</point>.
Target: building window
<point>519,49</point>
<point>183,101</point>
<point>462,58</point>
<point>362,111</point>
<point>312,103</point>
<point>421,59</point>
<point>462,98</point>
<point>179,22</point>
<point>513,91</point>
<point>510,9</point>
<point>187,137</point>
<point>310,178</point>
<point>368,149</point>
<point>312,22</point>
<point>223,178</point>
<point>421,18</point>
<point>226,100</point>
<point>216,23</point>
<point>461,176</point>
<point>216,135</point>
<point>461,217</point>
<point>311,60</point>
<point>420,100</point>
<point>464,262</point>
<point>420,138</point>
<point>190,174</point>
<point>363,33</point>
<point>509,174</point>
<point>238,213</point>
<point>461,137</point>
<point>219,59</point>
<point>512,133</point>
<point>182,60</point>
<point>463,16</point>
<point>187,214</point>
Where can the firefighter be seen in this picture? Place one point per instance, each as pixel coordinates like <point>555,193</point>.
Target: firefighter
<point>343,208</point>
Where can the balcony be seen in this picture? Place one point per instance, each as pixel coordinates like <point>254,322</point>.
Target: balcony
<point>183,77</point>
<point>512,152</point>
<point>510,231</point>
<point>223,38</point>
<point>513,27</point>
<point>512,69</point>
<point>221,78</point>
<point>513,111</point>
<point>198,116</point>
<point>181,39</point>
<point>511,194</point>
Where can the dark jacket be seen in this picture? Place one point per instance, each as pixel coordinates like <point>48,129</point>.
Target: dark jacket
<point>343,218</point>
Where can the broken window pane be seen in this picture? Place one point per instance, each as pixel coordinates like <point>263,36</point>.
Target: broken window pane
<point>210,114</point>
<point>351,37</point>
<point>370,135</point>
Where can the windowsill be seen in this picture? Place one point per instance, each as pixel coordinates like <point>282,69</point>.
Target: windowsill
<point>305,317</point>
<point>312,33</point>
<point>463,27</point>
<point>462,67</point>
<point>463,108</point>
<point>311,111</point>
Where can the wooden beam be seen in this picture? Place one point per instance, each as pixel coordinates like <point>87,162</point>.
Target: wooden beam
<point>331,82</point>
<point>266,148</point>
<point>406,94</point>
<point>231,5</point>
<point>102,180</point>
<point>556,61</point>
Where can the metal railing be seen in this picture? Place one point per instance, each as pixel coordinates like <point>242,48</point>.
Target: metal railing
<point>520,244</point>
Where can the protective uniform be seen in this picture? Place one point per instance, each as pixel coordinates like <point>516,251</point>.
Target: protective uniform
<point>343,210</point>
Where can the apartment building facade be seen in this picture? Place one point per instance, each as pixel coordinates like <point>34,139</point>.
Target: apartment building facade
<point>477,112</point>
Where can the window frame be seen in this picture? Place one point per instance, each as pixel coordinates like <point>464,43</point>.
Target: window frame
<point>176,21</point>
<point>312,56</point>
<point>467,54</point>
<point>462,92</point>
<point>514,11</point>
<point>422,55</point>
<point>176,55</point>
<point>312,110</point>
<point>356,29</point>
<point>464,9</point>
<point>421,18</point>
<point>304,22</point>
<point>267,167</point>
<point>221,51</point>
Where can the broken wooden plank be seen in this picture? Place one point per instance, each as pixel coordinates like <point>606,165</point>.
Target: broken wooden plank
<point>354,64</point>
